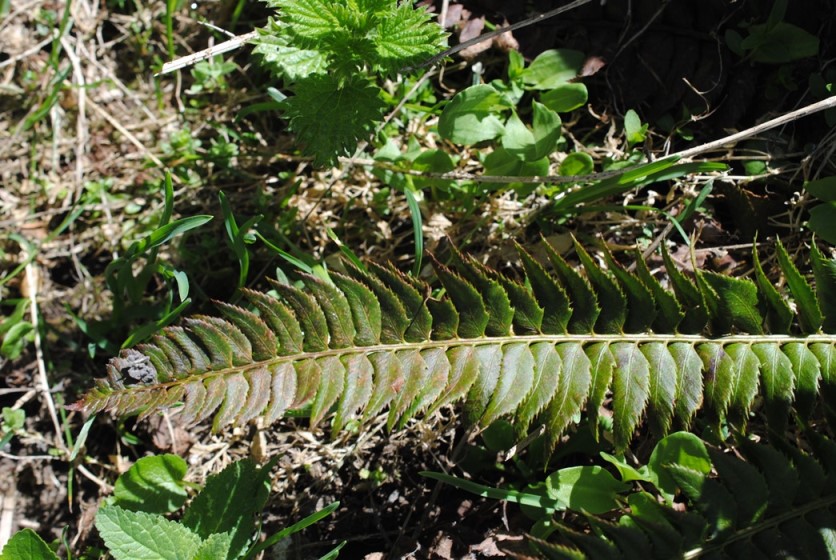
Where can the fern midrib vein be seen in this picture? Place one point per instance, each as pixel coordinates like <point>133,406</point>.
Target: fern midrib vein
<point>511,339</point>
<point>775,521</point>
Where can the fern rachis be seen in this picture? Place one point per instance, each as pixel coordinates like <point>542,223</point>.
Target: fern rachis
<point>374,339</point>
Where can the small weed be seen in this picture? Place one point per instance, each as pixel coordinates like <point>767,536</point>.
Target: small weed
<point>219,523</point>
<point>129,277</point>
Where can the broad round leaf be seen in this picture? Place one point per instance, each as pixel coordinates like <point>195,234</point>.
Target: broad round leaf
<point>153,485</point>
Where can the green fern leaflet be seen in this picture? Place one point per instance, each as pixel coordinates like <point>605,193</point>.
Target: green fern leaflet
<point>762,503</point>
<point>537,353</point>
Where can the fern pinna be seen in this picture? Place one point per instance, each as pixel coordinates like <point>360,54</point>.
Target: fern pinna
<point>538,351</point>
<point>763,502</point>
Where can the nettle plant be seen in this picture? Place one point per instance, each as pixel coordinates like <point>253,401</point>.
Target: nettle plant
<point>329,55</point>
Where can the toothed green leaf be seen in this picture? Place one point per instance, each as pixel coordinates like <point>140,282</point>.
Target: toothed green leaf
<point>778,313</point>
<point>824,271</point>
<point>641,308</point>
<point>737,303</point>
<point>381,339</point>
<point>473,315</point>
<point>809,313</point>
<point>585,309</point>
<point>611,299</point>
<point>330,116</point>
<point>549,294</point>
<point>631,389</point>
<point>406,36</point>
<point>696,314</point>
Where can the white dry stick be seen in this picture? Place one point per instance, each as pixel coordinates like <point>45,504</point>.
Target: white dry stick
<point>34,50</point>
<point>822,105</point>
<point>43,380</point>
<point>7,514</point>
<point>220,48</point>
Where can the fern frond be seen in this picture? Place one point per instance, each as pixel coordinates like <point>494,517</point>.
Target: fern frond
<point>761,504</point>
<point>539,352</point>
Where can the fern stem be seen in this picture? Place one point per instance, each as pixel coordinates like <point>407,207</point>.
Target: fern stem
<point>775,521</point>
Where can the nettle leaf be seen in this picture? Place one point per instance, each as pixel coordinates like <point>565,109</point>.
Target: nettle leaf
<point>406,35</point>
<point>310,19</point>
<point>285,55</point>
<point>330,116</point>
<point>537,352</point>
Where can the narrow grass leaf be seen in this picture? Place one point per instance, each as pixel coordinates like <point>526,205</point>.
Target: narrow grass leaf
<point>136,535</point>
